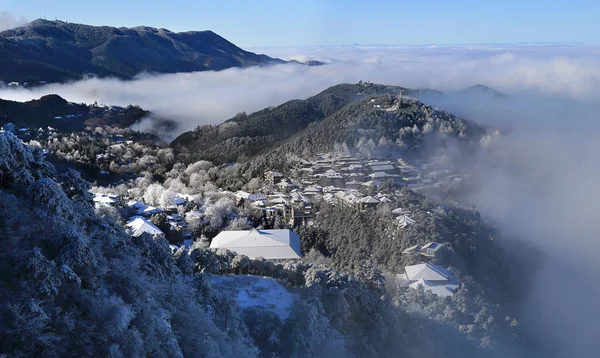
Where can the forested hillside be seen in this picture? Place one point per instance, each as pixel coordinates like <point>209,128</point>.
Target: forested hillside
<point>375,119</point>
<point>56,112</point>
<point>51,51</point>
<point>83,286</point>
<point>245,136</point>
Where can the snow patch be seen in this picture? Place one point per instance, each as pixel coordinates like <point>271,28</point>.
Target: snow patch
<point>255,292</point>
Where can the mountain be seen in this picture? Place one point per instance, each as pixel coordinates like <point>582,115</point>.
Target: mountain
<point>482,90</point>
<point>249,135</point>
<point>54,111</point>
<point>348,114</point>
<point>54,51</point>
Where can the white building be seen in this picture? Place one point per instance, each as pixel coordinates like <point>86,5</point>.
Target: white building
<point>269,244</point>
<point>105,200</point>
<point>430,249</point>
<point>404,221</point>
<point>433,278</point>
<point>140,225</point>
<point>240,194</point>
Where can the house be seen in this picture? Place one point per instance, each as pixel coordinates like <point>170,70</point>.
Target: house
<point>286,186</point>
<point>105,200</point>
<point>312,191</point>
<point>140,225</point>
<point>372,184</point>
<point>353,184</point>
<point>269,244</point>
<point>382,176</point>
<point>273,177</point>
<point>404,221</point>
<point>150,210</point>
<point>240,194</point>
<point>430,249</point>
<point>433,278</point>
<point>368,202</point>
<point>384,168</point>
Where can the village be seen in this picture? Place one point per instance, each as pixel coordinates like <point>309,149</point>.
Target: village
<point>338,180</point>
<point>348,182</point>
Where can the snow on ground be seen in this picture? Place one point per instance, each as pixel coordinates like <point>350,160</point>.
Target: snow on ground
<point>255,292</point>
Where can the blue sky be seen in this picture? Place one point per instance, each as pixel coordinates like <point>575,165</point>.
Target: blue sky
<point>339,22</point>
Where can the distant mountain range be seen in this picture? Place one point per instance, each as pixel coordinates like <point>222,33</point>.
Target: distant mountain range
<point>55,51</point>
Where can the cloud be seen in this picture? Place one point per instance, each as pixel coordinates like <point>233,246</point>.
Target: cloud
<point>8,21</point>
<point>211,97</point>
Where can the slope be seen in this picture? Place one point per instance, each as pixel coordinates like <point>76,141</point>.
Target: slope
<point>54,111</point>
<point>384,125</point>
<point>58,51</point>
<point>246,136</point>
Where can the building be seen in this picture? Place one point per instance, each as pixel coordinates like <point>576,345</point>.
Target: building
<point>273,177</point>
<point>240,194</point>
<point>433,278</point>
<point>430,249</point>
<point>268,244</point>
<point>404,221</point>
<point>368,202</point>
<point>101,200</point>
<point>140,225</point>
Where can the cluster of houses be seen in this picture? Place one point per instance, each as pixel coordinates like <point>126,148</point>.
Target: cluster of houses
<point>139,221</point>
<point>349,172</point>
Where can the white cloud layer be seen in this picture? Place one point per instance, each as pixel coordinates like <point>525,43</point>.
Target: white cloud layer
<point>211,97</point>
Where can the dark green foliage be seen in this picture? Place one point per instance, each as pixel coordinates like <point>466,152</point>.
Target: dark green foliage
<point>58,51</point>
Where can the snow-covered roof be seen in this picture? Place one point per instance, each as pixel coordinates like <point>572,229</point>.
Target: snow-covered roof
<point>278,200</point>
<point>440,290</point>
<point>104,199</point>
<point>141,225</point>
<point>405,220</point>
<point>269,244</point>
<point>428,272</point>
<point>369,200</point>
<point>312,190</point>
<point>382,167</point>
<point>432,246</point>
<point>149,210</point>
<point>410,249</point>
<point>178,201</point>
<point>378,175</point>
<point>242,194</point>
<point>375,183</point>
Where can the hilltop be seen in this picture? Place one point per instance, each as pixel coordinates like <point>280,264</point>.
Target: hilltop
<point>54,111</point>
<point>259,132</point>
<point>55,51</point>
<point>347,115</point>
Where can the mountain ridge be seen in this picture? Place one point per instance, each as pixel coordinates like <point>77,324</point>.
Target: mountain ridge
<point>57,51</point>
<point>343,114</point>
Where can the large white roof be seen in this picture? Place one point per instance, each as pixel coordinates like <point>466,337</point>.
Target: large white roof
<point>141,225</point>
<point>269,244</point>
<point>428,272</point>
<point>440,290</point>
